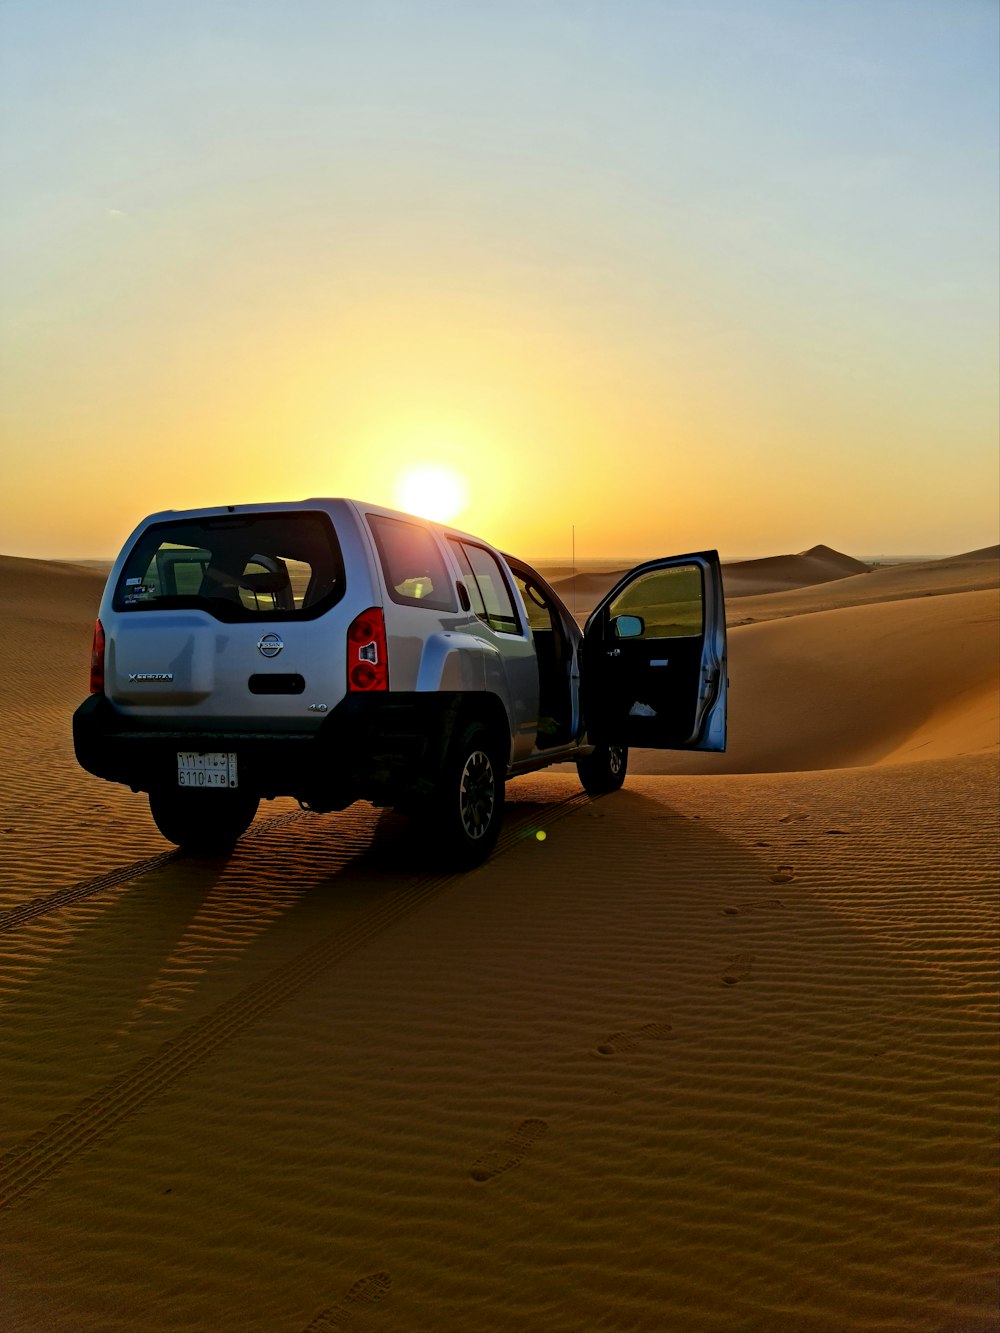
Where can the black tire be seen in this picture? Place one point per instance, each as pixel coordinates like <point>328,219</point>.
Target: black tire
<point>206,823</point>
<point>467,809</point>
<point>604,770</point>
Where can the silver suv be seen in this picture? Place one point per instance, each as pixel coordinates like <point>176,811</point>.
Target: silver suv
<point>333,651</point>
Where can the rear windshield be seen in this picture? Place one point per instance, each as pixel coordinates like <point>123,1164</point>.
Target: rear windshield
<point>236,566</point>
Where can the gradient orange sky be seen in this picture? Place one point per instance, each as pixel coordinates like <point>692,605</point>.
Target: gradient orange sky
<point>681,275</point>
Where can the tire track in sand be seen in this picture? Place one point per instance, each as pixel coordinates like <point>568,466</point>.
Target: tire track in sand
<point>87,888</point>
<point>44,1153</point>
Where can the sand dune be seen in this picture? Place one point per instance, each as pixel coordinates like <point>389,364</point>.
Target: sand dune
<point>890,583</point>
<point>991,553</point>
<point>778,573</point>
<point>586,590</point>
<point>743,578</point>
<point>49,590</point>
<point>49,610</point>
<point>816,580</point>
<point>890,681</point>
<point>716,1055</point>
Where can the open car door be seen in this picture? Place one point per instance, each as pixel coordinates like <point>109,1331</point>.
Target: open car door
<point>654,657</point>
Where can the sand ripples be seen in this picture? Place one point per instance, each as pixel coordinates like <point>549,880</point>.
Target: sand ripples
<point>600,1097</point>
<point>717,1055</point>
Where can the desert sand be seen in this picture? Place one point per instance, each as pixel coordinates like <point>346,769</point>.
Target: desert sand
<point>717,1054</point>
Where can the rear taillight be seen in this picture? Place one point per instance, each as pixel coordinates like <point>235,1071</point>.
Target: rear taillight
<point>367,660</point>
<point>97,660</point>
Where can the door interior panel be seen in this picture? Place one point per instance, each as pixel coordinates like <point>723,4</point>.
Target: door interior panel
<point>647,656</point>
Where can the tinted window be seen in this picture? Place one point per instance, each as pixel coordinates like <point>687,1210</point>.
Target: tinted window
<point>668,600</point>
<point>238,567</point>
<point>491,599</point>
<point>535,604</point>
<point>469,578</point>
<point>414,568</point>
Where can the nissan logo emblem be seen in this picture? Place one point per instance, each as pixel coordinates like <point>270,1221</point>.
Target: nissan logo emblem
<point>270,645</point>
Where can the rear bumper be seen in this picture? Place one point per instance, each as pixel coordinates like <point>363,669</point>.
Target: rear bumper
<point>377,747</point>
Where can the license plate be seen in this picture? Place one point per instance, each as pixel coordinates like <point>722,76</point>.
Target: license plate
<point>214,769</point>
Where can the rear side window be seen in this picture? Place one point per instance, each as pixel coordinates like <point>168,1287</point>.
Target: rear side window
<point>488,590</point>
<point>236,566</point>
<point>414,569</point>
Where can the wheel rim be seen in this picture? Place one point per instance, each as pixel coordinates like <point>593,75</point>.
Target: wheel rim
<point>476,796</point>
<point>616,759</point>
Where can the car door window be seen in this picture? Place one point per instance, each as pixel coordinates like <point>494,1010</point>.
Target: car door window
<point>469,578</point>
<point>538,611</point>
<point>668,602</point>
<point>493,603</point>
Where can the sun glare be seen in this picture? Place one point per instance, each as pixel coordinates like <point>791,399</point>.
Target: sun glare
<point>432,492</point>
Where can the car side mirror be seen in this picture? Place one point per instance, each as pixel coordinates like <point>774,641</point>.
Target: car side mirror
<point>463,596</point>
<point>627,627</point>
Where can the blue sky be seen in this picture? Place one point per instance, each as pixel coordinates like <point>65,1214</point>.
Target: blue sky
<point>729,267</point>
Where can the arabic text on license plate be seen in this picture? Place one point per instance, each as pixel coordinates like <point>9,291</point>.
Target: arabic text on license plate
<point>215,769</point>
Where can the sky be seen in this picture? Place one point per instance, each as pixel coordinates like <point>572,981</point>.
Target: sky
<point>674,275</point>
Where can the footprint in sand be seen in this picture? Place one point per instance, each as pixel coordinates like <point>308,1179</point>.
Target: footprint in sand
<point>739,969</point>
<point>619,1042</point>
<point>783,875</point>
<point>505,1156</point>
<point>754,905</point>
<point>342,1316</point>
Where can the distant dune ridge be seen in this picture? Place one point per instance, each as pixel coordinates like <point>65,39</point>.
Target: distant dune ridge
<point>990,554</point>
<point>718,1053</point>
<point>742,578</point>
<point>809,570</point>
<point>820,564</point>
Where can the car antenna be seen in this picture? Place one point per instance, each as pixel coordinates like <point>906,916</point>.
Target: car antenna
<point>574,570</point>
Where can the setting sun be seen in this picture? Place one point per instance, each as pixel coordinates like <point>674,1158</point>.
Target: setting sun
<point>432,492</point>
